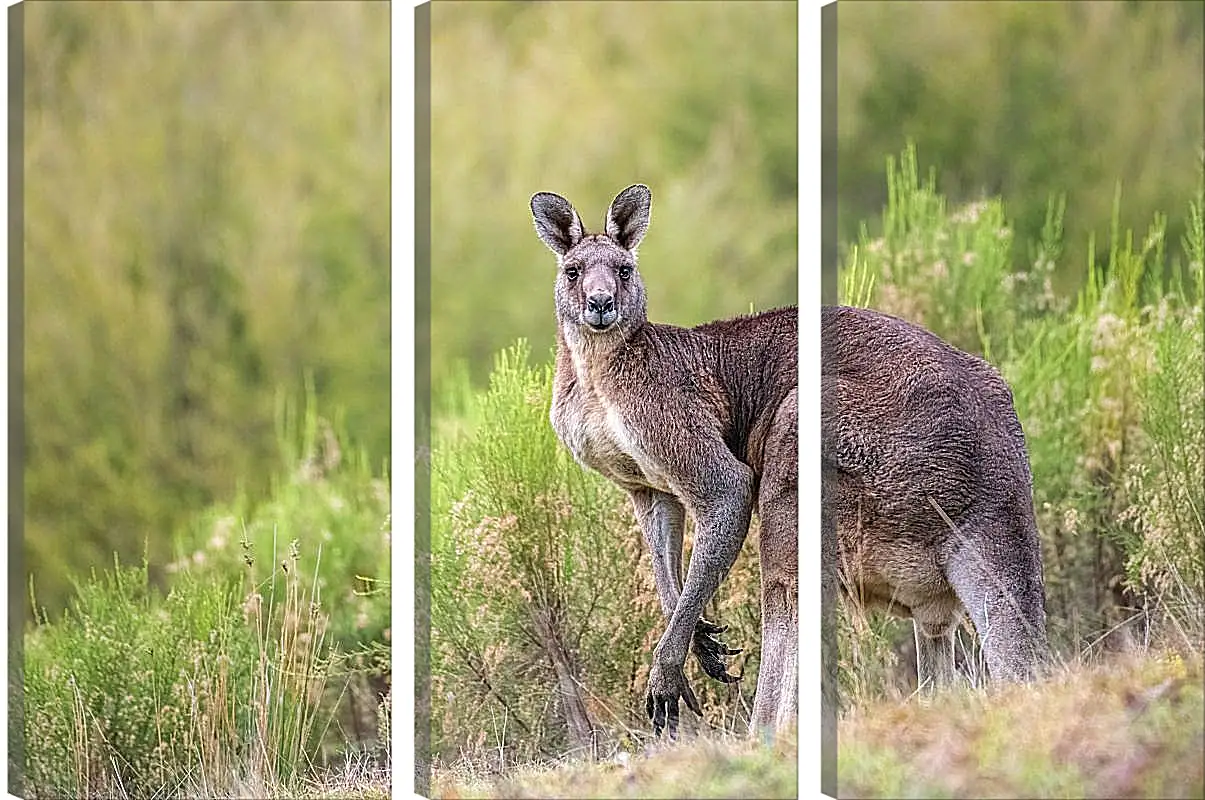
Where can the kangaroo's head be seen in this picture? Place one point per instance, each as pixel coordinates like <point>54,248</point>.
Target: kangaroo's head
<point>598,290</point>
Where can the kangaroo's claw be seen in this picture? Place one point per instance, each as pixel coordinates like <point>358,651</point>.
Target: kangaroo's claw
<point>710,651</point>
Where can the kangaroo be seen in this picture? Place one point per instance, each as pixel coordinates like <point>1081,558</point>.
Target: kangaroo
<point>927,504</point>
<point>700,420</point>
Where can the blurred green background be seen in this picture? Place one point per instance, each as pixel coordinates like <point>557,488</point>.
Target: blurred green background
<point>1024,101</point>
<point>207,216</point>
<point>697,100</point>
<point>206,225</point>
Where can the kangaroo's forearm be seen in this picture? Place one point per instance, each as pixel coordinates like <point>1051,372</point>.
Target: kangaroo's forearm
<point>721,531</point>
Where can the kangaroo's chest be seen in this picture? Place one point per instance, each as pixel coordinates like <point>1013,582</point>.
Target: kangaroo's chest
<point>604,438</point>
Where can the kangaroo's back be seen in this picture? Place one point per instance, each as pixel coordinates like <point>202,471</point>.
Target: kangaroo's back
<point>913,418</point>
<point>757,363</point>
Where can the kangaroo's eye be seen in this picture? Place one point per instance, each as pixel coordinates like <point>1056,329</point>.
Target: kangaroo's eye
<point>625,272</point>
<point>571,273</point>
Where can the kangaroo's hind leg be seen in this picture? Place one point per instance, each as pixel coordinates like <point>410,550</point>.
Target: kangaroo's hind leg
<point>934,626</point>
<point>775,704</point>
<point>994,565</point>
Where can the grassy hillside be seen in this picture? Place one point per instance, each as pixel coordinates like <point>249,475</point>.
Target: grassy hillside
<point>1129,727</point>
<point>700,768</point>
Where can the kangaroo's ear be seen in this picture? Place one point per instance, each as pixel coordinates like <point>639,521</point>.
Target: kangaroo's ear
<point>628,216</point>
<point>557,224</point>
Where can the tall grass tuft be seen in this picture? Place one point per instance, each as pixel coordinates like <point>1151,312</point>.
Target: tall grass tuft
<point>333,502</point>
<point>1166,552</point>
<point>194,693</point>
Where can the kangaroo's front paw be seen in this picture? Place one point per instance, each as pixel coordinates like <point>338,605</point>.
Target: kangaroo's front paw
<point>710,651</point>
<point>667,683</point>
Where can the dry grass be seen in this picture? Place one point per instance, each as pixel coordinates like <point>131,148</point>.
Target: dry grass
<point>1127,728</point>
<point>704,767</point>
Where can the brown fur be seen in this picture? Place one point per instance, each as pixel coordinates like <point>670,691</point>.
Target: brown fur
<point>927,507</point>
<point>700,420</point>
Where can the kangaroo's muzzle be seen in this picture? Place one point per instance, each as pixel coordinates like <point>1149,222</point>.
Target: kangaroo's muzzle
<point>600,311</point>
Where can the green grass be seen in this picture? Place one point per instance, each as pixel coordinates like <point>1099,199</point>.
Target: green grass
<point>133,693</point>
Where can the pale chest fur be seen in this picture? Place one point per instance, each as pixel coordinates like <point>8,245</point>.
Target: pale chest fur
<point>596,430</point>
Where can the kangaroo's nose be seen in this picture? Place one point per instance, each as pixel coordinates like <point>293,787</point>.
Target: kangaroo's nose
<point>600,304</point>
